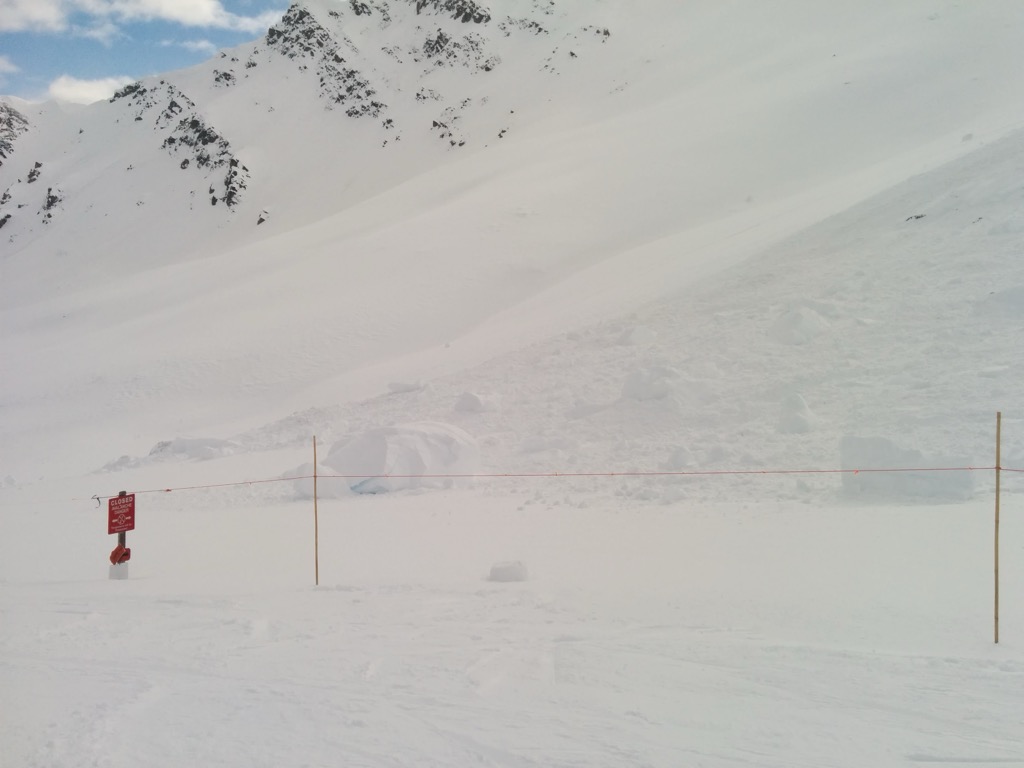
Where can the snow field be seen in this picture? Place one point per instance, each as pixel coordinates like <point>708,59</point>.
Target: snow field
<point>721,633</point>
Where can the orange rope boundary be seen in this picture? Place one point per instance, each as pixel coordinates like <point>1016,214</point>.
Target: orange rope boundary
<point>536,475</point>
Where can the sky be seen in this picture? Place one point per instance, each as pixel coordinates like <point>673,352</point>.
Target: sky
<point>83,50</point>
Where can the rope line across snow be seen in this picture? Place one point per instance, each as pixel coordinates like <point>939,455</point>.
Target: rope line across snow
<point>535,475</point>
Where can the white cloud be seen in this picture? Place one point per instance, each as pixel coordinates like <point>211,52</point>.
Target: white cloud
<point>18,15</point>
<point>189,13</point>
<point>54,15</point>
<point>8,67</point>
<point>199,46</point>
<point>105,32</point>
<point>257,24</point>
<point>67,88</point>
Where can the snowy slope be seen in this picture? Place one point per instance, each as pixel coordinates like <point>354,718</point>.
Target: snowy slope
<point>721,237</point>
<point>695,149</point>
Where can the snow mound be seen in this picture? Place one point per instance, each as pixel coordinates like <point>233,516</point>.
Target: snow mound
<point>799,325</point>
<point>878,453</point>
<point>471,402</point>
<point>417,455</point>
<point>794,416</point>
<point>680,459</point>
<point>326,487</point>
<point>638,336</point>
<point>509,571</point>
<point>179,449</point>
<point>405,387</point>
<point>193,448</point>
<point>656,383</point>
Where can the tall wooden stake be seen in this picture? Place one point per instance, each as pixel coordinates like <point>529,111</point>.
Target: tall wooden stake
<point>999,435</point>
<point>316,521</point>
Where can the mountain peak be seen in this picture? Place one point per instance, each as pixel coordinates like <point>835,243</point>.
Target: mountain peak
<point>419,78</point>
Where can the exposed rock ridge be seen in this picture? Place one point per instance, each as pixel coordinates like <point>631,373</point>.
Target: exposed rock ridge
<point>201,143</point>
<point>414,67</point>
<point>12,125</point>
<point>20,195</point>
<point>189,135</point>
<point>300,36</point>
<point>165,97</point>
<point>465,11</point>
<point>469,50</point>
<point>5,216</point>
<point>360,8</point>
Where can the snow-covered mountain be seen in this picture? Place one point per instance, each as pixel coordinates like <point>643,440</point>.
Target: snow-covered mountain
<point>341,101</point>
<point>561,159</point>
<point>378,91</point>
<point>618,261</point>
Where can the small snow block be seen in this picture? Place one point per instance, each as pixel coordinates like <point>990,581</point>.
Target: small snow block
<point>119,572</point>
<point>510,571</point>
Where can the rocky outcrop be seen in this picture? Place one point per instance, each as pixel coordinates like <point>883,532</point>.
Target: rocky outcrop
<point>23,195</point>
<point>12,125</point>
<point>342,42</point>
<point>469,51</point>
<point>163,98</point>
<point>190,137</point>
<point>203,147</point>
<point>465,11</point>
<point>300,36</point>
<point>53,200</point>
<point>415,68</point>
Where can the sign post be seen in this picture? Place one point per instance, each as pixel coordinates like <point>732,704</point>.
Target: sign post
<point>999,440</point>
<point>316,524</point>
<point>120,520</point>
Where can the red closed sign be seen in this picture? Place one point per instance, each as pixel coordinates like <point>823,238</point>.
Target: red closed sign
<point>121,514</point>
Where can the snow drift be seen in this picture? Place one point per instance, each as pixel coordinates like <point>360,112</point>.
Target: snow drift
<point>420,455</point>
<point>938,477</point>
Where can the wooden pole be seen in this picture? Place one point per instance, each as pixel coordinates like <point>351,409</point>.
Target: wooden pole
<point>999,435</point>
<point>316,521</point>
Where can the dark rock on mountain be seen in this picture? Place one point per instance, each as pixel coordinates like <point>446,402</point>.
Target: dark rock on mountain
<point>54,197</point>
<point>188,133</point>
<point>300,36</point>
<point>414,74</point>
<point>12,125</point>
<point>463,10</point>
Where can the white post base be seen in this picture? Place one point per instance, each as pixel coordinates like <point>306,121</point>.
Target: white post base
<point>119,571</point>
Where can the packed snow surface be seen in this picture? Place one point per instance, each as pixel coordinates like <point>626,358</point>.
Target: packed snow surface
<point>591,406</point>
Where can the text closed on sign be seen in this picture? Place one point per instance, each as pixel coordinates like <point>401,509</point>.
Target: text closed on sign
<point>121,514</point>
